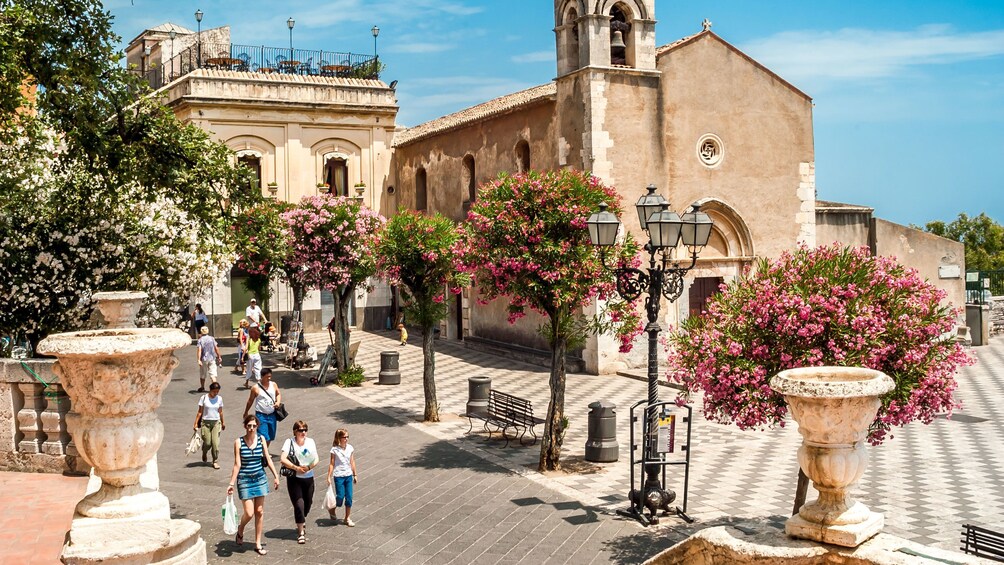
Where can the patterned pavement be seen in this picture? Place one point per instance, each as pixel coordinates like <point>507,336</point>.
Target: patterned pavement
<point>928,480</point>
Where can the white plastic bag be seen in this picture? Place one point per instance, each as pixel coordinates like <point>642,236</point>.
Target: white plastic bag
<point>230,517</point>
<point>194,444</point>
<point>330,500</point>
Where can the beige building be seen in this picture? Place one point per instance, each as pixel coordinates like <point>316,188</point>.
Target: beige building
<point>304,121</point>
<point>698,118</point>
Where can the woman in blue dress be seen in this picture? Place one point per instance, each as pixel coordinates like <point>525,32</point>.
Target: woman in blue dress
<point>250,458</point>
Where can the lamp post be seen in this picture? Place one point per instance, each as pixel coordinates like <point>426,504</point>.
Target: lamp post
<point>198,18</point>
<point>375,31</point>
<point>664,278</point>
<point>170,74</point>
<point>290,23</point>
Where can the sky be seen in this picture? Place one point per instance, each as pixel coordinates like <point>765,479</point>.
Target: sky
<point>908,94</point>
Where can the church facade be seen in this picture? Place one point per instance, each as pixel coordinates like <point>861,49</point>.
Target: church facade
<point>698,118</point>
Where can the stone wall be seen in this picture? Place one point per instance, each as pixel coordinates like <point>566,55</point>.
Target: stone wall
<point>33,435</point>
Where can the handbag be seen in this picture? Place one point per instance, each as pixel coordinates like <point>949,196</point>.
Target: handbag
<point>286,471</point>
<point>280,409</point>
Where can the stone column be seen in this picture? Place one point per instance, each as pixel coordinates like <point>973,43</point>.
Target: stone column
<point>54,420</point>
<point>29,421</point>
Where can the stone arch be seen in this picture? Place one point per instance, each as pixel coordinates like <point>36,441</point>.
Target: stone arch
<point>567,35</point>
<point>421,189</point>
<point>469,179</point>
<point>730,236</point>
<point>251,148</point>
<point>638,10</point>
<point>325,152</point>
<point>522,152</point>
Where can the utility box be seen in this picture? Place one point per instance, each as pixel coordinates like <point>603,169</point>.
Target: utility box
<point>978,320</point>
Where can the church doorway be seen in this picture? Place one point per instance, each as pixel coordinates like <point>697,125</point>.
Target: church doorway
<point>701,291</point>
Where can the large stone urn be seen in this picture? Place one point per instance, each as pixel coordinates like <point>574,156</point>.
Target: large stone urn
<point>833,407</point>
<point>114,378</point>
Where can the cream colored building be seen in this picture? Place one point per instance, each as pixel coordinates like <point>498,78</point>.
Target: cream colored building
<point>698,118</point>
<point>304,129</point>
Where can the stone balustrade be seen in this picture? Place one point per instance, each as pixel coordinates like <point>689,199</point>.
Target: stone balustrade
<point>33,434</point>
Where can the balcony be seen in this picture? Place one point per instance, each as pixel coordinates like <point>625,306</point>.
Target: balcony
<point>261,59</point>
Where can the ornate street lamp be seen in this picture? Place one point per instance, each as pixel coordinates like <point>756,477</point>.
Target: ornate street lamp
<point>664,278</point>
<point>198,18</point>
<point>170,74</point>
<point>375,31</point>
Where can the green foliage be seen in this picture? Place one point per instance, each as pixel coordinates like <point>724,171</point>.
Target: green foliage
<point>982,236</point>
<point>101,188</point>
<point>351,376</point>
<point>370,69</point>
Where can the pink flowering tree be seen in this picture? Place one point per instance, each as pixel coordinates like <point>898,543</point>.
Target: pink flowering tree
<point>260,235</point>
<point>418,252</point>
<point>813,307</point>
<point>526,240</point>
<point>332,240</point>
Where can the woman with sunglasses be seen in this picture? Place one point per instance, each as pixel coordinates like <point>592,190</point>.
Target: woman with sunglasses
<point>250,458</point>
<point>303,451</point>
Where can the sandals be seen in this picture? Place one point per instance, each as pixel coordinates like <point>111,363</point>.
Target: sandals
<point>302,539</point>
<point>260,550</point>
<point>239,539</point>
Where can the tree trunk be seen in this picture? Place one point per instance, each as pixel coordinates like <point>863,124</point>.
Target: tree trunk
<point>341,297</point>
<point>800,491</point>
<point>550,444</point>
<point>429,375</point>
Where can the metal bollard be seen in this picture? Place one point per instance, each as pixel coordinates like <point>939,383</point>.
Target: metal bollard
<point>601,443</point>
<point>389,373</point>
<point>477,394</point>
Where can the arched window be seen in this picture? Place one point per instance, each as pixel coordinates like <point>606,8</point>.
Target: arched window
<point>336,176</point>
<point>522,156</point>
<point>252,162</point>
<point>572,39</point>
<point>619,22</point>
<point>421,191</point>
<point>469,179</point>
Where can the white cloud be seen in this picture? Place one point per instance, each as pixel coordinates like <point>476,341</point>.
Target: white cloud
<point>867,54</point>
<point>419,47</point>
<point>534,57</point>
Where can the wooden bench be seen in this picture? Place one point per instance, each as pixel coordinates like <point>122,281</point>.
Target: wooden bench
<point>506,411</point>
<point>982,542</point>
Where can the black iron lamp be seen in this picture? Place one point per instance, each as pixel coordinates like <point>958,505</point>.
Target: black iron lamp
<point>662,279</point>
<point>198,19</point>
<point>290,23</point>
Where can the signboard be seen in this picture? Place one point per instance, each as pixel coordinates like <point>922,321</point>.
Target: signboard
<point>667,431</point>
<point>949,272</point>
<point>972,276</point>
<point>322,372</point>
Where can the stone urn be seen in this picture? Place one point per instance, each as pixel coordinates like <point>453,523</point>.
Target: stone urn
<point>114,378</point>
<point>119,308</point>
<point>833,407</point>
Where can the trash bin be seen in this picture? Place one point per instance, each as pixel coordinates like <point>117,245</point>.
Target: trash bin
<point>978,320</point>
<point>601,441</point>
<point>389,373</point>
<point>477,395</point>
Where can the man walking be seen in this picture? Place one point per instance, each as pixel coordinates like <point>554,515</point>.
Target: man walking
<point>209,358</point>
<point>254,314</point>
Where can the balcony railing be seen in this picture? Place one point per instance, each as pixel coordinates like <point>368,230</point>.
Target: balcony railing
<point>251,58</point>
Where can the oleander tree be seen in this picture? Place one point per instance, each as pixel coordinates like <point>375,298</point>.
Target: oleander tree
<point>262,240</point>
<point>419,253</point>
<point>332,239</point>
<point>101,187</point>
<point>526,241</point>
<point>813,307</point>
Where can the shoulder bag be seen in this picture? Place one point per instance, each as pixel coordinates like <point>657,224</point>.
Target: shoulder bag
<point>280,409</point>
<point>286,471</point>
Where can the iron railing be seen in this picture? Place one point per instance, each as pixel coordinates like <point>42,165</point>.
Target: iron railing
<point>977,290</point>
<point>254,58</point>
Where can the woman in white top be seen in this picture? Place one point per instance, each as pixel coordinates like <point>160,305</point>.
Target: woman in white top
<point>209,423</point>
<point>303,451</point>
<point>265,396</point>
<point>343,468</point>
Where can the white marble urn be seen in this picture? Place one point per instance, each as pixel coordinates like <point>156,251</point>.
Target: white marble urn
<point>833,407</point>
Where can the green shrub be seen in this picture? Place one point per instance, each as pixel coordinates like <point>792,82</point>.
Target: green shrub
<point>353,376</point>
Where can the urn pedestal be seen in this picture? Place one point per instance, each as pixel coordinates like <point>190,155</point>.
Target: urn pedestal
<point>833,407</point>
<point>115,378</point>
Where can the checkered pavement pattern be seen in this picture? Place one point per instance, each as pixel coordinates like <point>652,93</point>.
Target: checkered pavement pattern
<point>927,480</point>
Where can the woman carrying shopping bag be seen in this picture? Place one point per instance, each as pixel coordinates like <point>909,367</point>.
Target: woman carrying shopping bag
<point>209,423</point>
<point>253,358</point>
<point>298,458</point>
<point>250,459</point>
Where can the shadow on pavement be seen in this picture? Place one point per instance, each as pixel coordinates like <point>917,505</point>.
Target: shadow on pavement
<point>362,415</point>
<point>442,455</point>
<point>647,543</point>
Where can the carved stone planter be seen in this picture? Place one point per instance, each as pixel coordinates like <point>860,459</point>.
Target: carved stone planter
<point>833,407</point>
<point>115,378</point>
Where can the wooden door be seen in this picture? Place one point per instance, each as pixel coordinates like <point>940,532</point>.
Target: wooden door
<point>701,291</point>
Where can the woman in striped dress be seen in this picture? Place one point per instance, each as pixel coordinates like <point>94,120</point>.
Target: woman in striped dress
<point>250,458</point>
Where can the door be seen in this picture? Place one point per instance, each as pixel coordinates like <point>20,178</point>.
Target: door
<point>701,291</point>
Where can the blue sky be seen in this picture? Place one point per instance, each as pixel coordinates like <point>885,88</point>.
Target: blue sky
<point>909,94</point>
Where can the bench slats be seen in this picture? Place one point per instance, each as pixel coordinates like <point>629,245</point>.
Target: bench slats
<point>982,542</point>
<point>508,411</point>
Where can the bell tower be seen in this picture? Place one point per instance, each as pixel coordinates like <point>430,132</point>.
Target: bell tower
<point>604,33</point>
<point>608,118</point>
